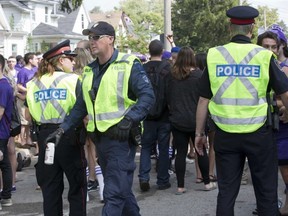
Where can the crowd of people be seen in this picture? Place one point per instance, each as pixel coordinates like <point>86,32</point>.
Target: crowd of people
<point>97,105</point>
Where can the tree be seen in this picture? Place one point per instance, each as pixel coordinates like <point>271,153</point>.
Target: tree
<point>70,5</point>
<point>147,17</point>
<point>96,9</point>
<point>201,24</point>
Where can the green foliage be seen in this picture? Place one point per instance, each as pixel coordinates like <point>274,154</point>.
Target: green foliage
<point>29,45</point>
<point>201,24</point>
<point>70,5</point>
<point>266,17</point>
<point>12,22</point>
<point>96,9</point>
<point>44,46</point>
<point>147,16</point>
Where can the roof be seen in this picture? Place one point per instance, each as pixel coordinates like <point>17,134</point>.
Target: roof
<point>20,5</point>
<point>66,24</point>
<point>45,29</point>
<point>111,17</point>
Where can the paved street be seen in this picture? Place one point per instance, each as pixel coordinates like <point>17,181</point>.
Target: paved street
<point>28,201</point>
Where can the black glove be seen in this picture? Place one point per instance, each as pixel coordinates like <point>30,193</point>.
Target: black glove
<point>55,136</point>
<point>124,127</point>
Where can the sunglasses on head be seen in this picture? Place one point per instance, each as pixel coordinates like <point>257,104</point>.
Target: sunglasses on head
<point>96,37</point>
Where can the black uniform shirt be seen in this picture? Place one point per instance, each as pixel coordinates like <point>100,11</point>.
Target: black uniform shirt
<point>278,80</point>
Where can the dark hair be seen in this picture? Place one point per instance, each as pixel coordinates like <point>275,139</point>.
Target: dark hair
<point>201,60</point>
<point>268,34</point>
<point>28,56</point>
<point>19,58</point>
<point>185,61</point>
<point>155,48</point>
<point>47,66</point>
<point>2,62</point>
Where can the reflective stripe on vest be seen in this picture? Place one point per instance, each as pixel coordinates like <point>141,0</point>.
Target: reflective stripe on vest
<point>246,82</point>
<point>105,117</point>
<point>248,110</point>
<point>54,102</point>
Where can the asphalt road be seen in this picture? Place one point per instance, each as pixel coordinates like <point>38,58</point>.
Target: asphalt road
<point>28,202</point>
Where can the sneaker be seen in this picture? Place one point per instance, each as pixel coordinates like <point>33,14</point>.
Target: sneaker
<point>92,185</point>
<point>144,185</point>
<point>244,182</point>
<point>189,160</point>
<point>164,186</point>
<point>170,171</point>
<point>19,159</point>
<point>13,189</point>
<point>6,202</point>
<point>26,161</point>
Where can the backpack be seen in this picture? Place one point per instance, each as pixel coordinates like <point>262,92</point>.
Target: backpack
<point>156,75</point>
<point>15,127</point>
<point>15,124</point>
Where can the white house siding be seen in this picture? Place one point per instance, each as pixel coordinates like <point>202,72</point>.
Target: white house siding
<point>78,27</point>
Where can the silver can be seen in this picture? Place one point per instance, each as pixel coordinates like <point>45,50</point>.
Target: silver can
<point>49,153</point>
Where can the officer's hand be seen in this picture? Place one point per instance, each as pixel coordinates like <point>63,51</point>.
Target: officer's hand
<point>124,127</point>
<point>200,143</point>
<point>55,136</point>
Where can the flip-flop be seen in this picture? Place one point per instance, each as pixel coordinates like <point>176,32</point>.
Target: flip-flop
<point>199,180</point>
<point>213,178</point>
<point>180,192</point>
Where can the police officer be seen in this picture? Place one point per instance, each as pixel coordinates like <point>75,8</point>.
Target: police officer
<point>235,83</point>
<point>50,97</point>
<point>116,95</point>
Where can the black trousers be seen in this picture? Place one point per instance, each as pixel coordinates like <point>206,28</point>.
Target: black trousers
<point>231,150</point>
<point>70,159</point>
<point>6,170</point>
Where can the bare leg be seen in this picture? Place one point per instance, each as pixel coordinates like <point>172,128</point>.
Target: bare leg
<point>12,158</point>
<point>284,173</point>
<point>211,154</point>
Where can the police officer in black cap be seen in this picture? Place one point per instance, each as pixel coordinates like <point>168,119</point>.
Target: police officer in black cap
<point>116,95</point>
<point>50,97</point>
<point>235,83</point>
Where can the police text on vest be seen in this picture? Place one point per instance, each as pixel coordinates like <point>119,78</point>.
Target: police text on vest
<point>237,70</point>
<point>49,94</point>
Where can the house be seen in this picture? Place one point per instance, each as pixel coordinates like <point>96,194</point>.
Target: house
<point>37,25</point>
<point>118,20</point>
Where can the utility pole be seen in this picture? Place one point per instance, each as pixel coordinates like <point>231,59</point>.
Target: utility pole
<point>167,23</point>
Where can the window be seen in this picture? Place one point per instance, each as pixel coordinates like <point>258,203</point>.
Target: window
<point>14,49</point>
<point>82,21</point>
<point>46,14</point>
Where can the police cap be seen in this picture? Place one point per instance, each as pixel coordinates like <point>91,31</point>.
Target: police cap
<point>100,28</point>
<point>62,48</point>
<point>242,15</point>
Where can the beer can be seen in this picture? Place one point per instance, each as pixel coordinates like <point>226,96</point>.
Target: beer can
<point>49,153</point>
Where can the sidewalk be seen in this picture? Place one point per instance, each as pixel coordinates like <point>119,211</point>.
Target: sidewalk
<point>28,201</point>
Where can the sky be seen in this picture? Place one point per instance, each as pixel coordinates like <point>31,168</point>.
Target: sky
<point>281,5</point>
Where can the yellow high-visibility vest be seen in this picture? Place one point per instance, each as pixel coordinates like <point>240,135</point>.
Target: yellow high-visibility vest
<point>51,97</point>
<point>239,83</point>
<point>112,100</point>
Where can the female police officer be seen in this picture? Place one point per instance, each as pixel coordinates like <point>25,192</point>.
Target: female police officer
<point>50,97</point>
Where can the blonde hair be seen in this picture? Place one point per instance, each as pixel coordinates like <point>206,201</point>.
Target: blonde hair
<point>83,58</point>
<point>7,73</point>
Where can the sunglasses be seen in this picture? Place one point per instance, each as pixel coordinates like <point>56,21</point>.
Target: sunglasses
<point>69,57</point>
<point>96,37</point>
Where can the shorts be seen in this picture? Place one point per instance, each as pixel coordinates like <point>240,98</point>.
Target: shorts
<point>21,108</point>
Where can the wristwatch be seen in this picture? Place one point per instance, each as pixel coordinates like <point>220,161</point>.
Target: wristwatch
<point>200,134</point>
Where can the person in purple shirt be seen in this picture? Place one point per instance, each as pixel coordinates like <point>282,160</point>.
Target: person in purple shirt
<point>25,75</point>
<point>6,105</point>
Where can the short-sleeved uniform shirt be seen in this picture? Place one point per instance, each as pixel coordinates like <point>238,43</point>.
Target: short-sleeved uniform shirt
<point>6,101</point>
